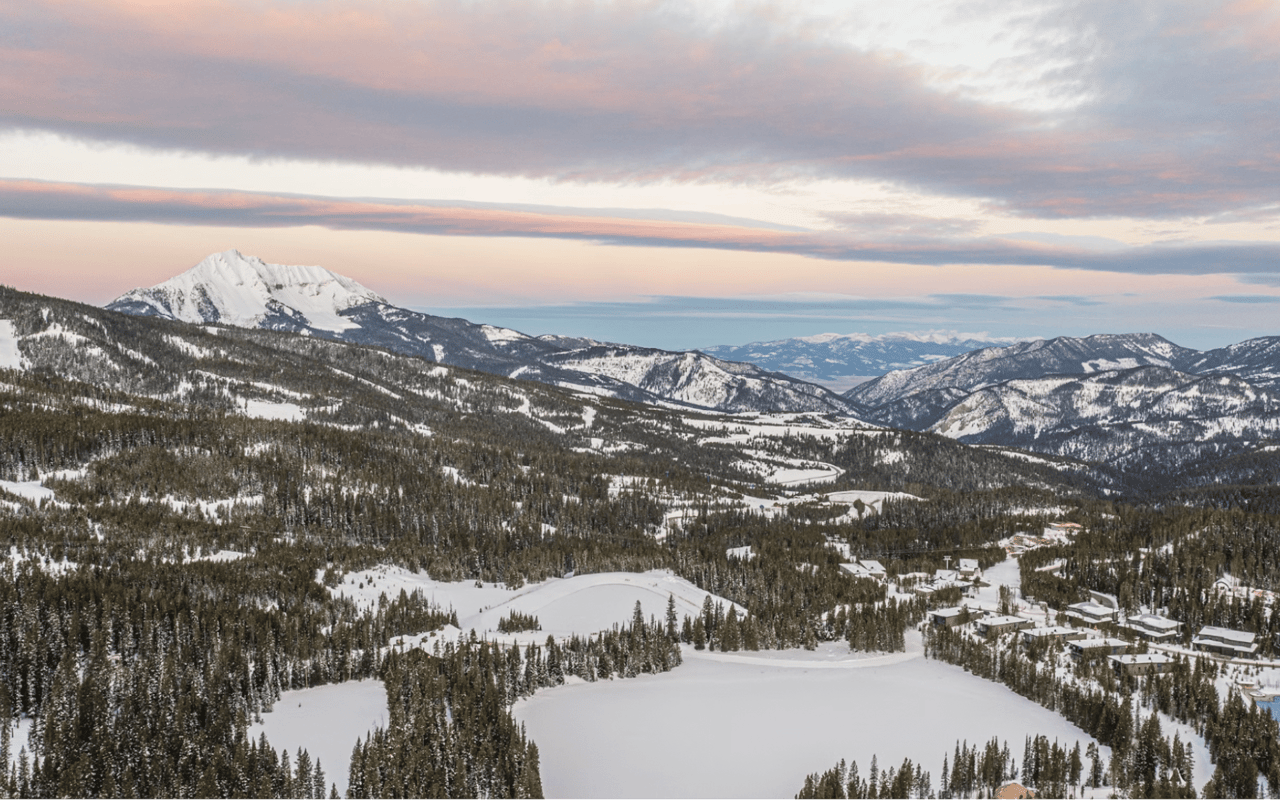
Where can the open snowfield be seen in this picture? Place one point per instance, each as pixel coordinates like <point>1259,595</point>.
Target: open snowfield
<point>798,476</point>
<point>31,490</point>
<point>870,498</point>
<point>589,603</point>
<point>10,356</point>
<point>582,604</point>
<point>742,428</point>
<point>18,733</point>
<point>722,725</point>
<point>327,721</point>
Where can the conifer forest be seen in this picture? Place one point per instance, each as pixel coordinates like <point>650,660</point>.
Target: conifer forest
<point>182,504</point>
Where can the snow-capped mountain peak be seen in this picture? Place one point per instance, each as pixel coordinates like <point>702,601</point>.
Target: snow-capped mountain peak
<point>233,289</point>
<point>241,291</point>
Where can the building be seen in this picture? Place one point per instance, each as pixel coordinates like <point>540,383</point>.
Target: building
<point>1142,664</point>
<point>1225,641</point>
<point>943,579</point>
<point>1091,613</point>
<point>874,568</point>
<point>856,570</point>
<point>996,625</point>
<point>969,570</point>
<point>1097,647</point>
<point>1055,633</point>
<point>1153,627</point>
<point>951,617</point>
<point>1104,599</point>
<point>1014,791</point>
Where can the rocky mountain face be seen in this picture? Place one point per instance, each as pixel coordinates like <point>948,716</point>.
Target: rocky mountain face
<point>242,291</point>
<point>1136,401</point>
<point>839,361</point>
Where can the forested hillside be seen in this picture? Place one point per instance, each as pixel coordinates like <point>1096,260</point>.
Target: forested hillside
<point>176,500</point>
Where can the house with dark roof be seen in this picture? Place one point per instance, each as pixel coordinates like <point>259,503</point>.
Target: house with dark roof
<point>1142,663</point>
<point>1102,647</point>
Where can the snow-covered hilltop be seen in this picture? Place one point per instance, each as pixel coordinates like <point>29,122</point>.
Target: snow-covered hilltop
<point>246,292</point>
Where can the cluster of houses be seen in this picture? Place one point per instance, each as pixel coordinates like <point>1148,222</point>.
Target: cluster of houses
<point>965,575</point>
<point>1103,608</point>
<point>1229,586</point>
<point>1078,641</point>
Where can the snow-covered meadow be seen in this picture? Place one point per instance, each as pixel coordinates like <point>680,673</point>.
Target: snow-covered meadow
<point>726,725</point>
<point>722,724</point>
<point>327,721</point>
<point>582,604</point>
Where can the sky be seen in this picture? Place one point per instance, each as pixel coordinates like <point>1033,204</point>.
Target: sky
<point>668,174</point>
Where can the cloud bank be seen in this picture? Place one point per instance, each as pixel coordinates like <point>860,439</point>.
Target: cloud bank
<point>25,199</point>
<point>1166,109</point>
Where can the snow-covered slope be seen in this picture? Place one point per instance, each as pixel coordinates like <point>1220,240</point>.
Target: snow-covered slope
<point>1256,360</point>
<point>1133,401</point>
<point>992,365</point>
<point>246,292</point>
<point>232,289</point>
<point>839,361</point>
<point>700,380</point>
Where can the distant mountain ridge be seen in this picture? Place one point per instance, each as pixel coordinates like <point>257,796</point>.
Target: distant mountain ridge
<point>233,289</point>
<point>839,361</point>
<point>1136,401</point>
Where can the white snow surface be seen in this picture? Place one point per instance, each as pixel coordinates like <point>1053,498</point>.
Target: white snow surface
<point>869,497</point>
<point>263,409</point>
<point>32,490</point>
<point>497,335</point>
<point>242,290</point>
<point>589,603</point>
<point>10,357</point>
<point>731,725</point>
<point>220,556</point>
<point>18,739</point>
<point>796,476</point>
<point>327,721</point>
<point>583,604</point>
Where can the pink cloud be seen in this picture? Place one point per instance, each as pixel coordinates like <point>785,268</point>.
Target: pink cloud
<point>919,242</point>
<point>1180,120</point>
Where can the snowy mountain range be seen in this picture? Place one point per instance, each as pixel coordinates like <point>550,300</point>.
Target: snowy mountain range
<point>1135,401</point>
<point>841,361</point>
<point>246,292</point>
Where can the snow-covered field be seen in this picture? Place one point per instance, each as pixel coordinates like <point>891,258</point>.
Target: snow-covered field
<point>582,604</point>
<point>589,603</point>
<point>327,721</point>
<point>722,725</point>
<point>32,490</point>
<point>10,356</point>
<point>18,733</point>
